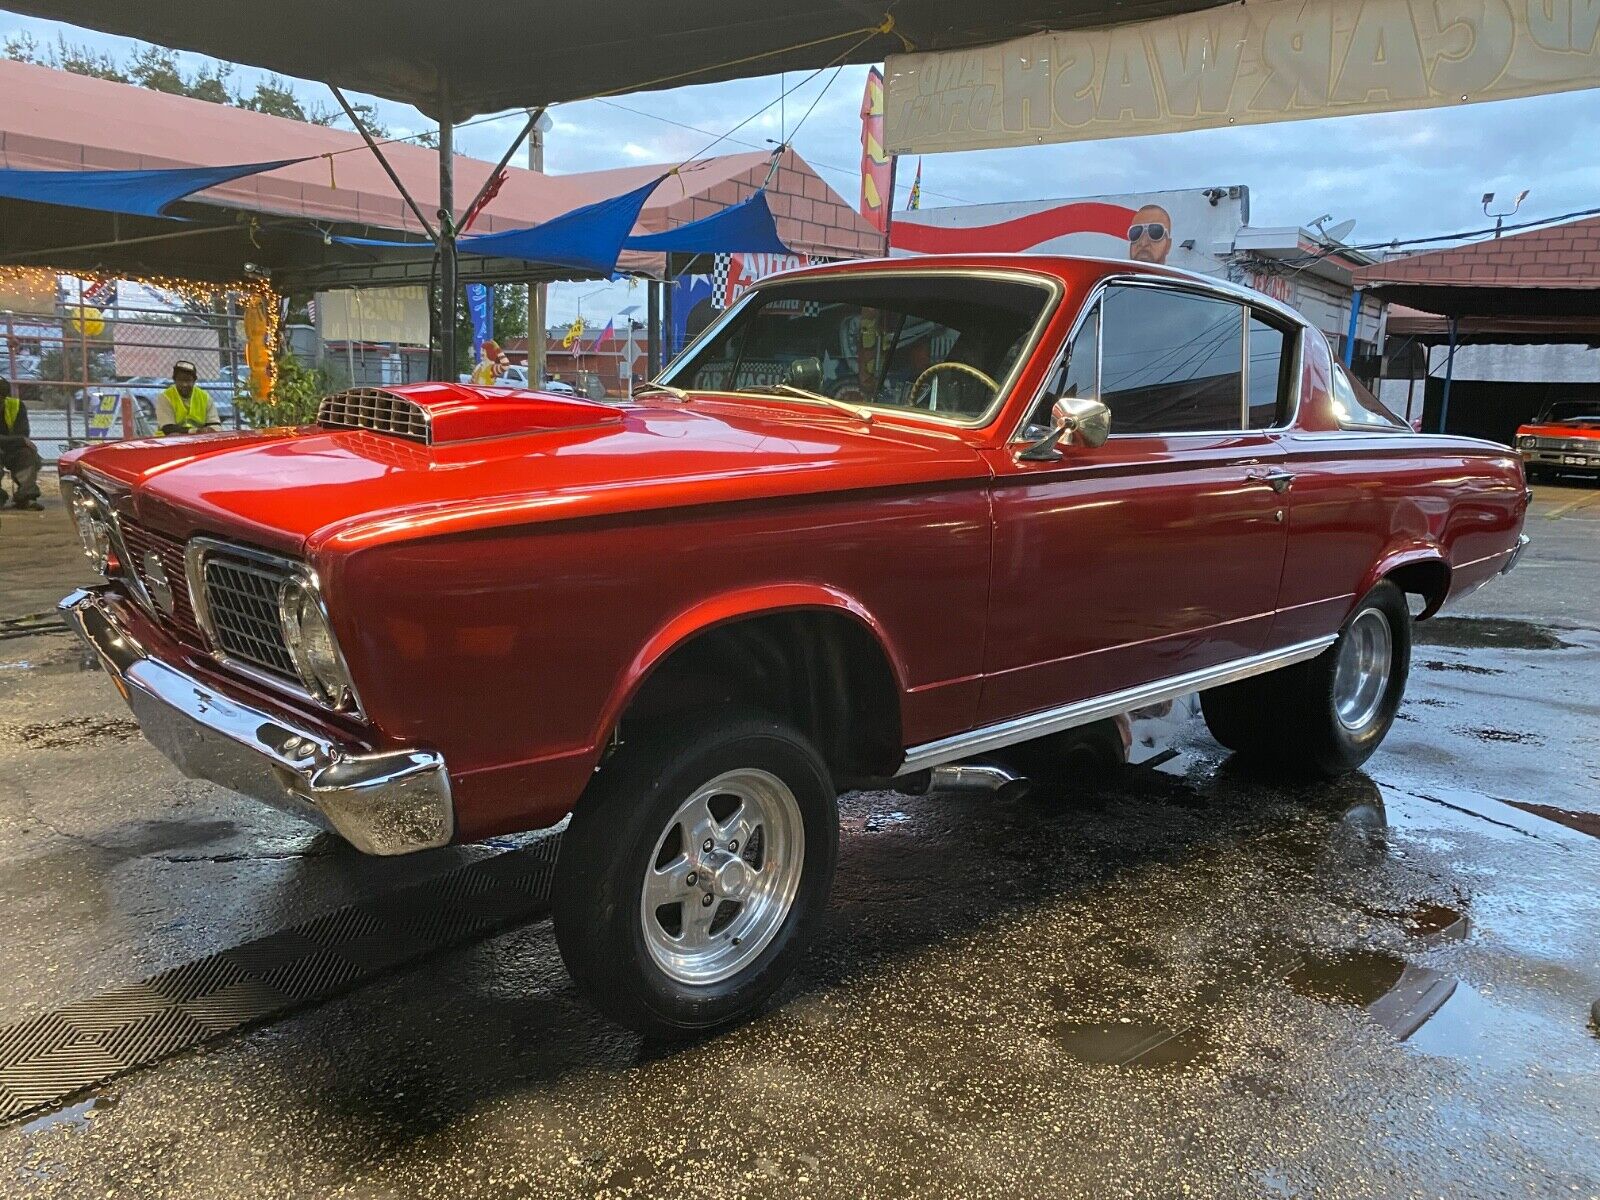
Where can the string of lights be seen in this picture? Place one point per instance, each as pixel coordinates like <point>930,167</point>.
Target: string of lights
<point>195,292</point>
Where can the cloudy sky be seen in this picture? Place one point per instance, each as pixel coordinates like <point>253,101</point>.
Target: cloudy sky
<point>1397,174</point>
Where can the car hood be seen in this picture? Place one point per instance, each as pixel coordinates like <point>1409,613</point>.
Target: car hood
<point>303,489</point>
<point>1561,429</point>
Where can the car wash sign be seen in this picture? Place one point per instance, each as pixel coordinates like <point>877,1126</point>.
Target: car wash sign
<point>1242,64</point>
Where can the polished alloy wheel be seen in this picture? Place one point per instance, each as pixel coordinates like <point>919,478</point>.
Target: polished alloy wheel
<point>723,877</point>
<point>1361,676</point>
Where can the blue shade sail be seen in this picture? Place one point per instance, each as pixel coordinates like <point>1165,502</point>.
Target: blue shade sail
<point>743,228</point>
<point>134,193</point>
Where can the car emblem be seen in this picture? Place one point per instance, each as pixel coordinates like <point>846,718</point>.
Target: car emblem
<point>157,583</point>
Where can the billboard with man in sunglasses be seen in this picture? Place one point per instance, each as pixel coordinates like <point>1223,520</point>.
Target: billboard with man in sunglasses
<point>1192,228</point>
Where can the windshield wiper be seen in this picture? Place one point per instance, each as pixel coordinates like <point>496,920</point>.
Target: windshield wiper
<point>800,393</point>
<point>652,386</point>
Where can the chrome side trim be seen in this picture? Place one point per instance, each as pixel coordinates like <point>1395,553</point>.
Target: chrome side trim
<point>1081,712</point>
<point>388,802</point>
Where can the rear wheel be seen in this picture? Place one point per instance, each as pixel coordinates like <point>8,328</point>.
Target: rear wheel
<point>1328,715</point>
<point>695,869</point>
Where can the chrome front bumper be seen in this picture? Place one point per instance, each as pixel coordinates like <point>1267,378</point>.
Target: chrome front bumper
<point>392,802</point>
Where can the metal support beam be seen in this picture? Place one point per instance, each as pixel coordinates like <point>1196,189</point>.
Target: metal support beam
<point>447,247</point>
<point>377,152</point>
<point>1449,374</point>
<point>652,328</point>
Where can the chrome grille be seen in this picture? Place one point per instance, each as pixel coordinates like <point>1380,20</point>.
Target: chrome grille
<point>169,551</point>
<point>242,604</point>
<point>377,410</point>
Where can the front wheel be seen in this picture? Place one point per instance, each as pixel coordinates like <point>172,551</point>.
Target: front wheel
<point>1325,716</point>
<point>695,870</point>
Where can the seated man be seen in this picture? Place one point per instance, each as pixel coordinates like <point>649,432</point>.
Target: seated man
<point>17,454</point>
<point>183,407</point>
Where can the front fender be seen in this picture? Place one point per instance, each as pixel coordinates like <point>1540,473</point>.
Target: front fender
<point>732,606</point>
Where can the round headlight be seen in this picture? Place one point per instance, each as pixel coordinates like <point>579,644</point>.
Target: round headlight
<point>310,640</point>
<point>1527,441</point>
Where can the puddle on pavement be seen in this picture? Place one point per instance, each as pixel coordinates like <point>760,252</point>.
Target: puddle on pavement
<point>1499,632</point>
<point>75,1117</point>
<point>1399,995</point>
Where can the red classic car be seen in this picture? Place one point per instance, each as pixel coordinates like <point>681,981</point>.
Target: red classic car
<point>883,519</point>
<point>1564,438</point>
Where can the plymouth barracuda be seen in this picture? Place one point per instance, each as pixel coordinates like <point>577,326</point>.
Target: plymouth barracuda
<point>883,523</point>
<point>1564,438</point>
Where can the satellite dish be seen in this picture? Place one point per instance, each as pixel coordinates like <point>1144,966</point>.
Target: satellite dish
<point>1339,232</point>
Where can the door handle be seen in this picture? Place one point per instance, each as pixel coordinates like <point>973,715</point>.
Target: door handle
<point>1279,481</point>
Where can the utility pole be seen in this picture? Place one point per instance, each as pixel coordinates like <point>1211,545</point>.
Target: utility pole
<point>538,293</point>
<point>447,241</point>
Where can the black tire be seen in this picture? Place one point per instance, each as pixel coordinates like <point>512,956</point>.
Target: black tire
<point>1291,717</point>
<point>613,839</point>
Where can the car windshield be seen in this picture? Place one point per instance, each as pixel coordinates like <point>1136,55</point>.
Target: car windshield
<point>1572,410</point>
<point>939,343</point>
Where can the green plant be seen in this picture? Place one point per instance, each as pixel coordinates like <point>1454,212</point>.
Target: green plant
<point>296,392</point>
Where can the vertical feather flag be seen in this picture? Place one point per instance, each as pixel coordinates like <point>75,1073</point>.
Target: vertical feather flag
<point>916,188</point>
<point>876,176</point>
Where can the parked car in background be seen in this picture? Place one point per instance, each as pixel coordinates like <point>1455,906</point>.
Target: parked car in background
<point>895,522</point>
<point>1563,439</point>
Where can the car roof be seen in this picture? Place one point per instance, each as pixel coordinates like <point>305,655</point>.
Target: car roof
<point>1067,269</point>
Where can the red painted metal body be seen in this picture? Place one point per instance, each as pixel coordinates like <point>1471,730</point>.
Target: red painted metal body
<point>500,598</point>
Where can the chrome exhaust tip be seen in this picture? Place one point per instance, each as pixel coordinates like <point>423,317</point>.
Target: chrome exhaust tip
<point>991,778</point>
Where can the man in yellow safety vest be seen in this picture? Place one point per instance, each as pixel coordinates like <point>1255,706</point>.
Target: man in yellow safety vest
<point>184,407</point>
<point>17,453</point>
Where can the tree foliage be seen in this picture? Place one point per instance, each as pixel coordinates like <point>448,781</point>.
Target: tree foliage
<point>297,390</point>
<point>162,70</point>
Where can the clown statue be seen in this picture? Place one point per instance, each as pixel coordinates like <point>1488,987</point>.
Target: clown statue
<point>491,366</point>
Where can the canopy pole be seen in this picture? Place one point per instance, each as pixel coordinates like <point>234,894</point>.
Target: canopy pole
<point>447,243</point>
<point>377,152</point>
<point>652,328</point>
<point>1350,335</point>
<point>1449,374</point>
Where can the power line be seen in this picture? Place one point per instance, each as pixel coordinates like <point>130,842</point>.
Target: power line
<point>815,162</point>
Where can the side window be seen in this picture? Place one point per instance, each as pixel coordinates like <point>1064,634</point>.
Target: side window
<point>1271,361</point>
<point>1079,377</point>
<point>1171,361</point>
<point>1357,408</point>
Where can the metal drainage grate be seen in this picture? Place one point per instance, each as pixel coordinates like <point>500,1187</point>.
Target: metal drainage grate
<point>47,1059</point>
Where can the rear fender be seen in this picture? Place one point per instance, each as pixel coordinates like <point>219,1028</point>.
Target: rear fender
<point>1410,554</point>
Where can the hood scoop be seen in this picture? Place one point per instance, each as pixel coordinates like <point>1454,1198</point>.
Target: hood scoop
<point>439,413</point>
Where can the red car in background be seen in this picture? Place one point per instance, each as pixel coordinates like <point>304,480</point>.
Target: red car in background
<point>1563,439</point>
<point>882,520</point>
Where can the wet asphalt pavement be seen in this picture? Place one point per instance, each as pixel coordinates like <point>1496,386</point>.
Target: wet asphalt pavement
<point>1177,979</point>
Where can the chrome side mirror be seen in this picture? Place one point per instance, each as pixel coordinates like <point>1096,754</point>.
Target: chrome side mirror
<point>1075,420</point>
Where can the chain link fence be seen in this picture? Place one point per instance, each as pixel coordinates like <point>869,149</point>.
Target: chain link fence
<point>92,375</point>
